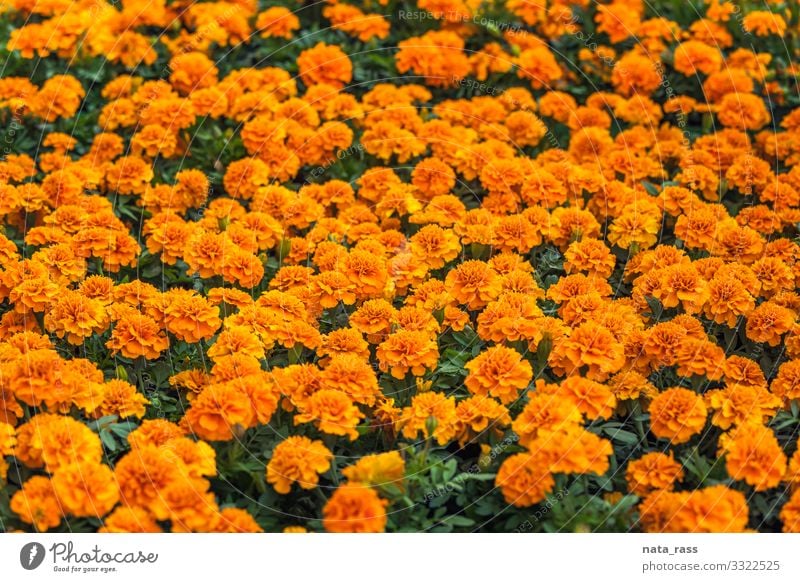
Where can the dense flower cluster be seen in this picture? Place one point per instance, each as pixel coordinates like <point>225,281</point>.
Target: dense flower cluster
<point>399,275</point>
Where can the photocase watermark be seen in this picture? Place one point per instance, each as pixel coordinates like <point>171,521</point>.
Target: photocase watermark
<point>573,30</point>
<point>13,127</point>
<point>473,469</point>
<point>203,32</point>
<point>32,555</point>
<point>454,16</point>
<point>318,171</point>
<point>489,89</point>
<point>544,509</point>
<point>65,558</point>
<point>477,86</point>
<point>738,15</point>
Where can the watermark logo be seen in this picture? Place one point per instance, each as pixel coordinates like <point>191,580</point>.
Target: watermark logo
<point>31,555</point>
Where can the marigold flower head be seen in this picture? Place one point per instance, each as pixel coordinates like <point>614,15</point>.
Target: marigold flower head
<point>333,412</point>
<point>383,469</point>
<point>299,460</point>
<point>37,504</point>
<point>431,413</point>
<point>653,471</point>
<point>590,346</point>
<point>404,351</point>
<point>220,412</point>
<point>325,64</point>
<point>354,508</point>
<point>738,404</point>
<point>677,414</point>
<point>122,399</point>
<point>479,417</point>
<point>352,375</point>
<point>500,372</point>
<point>191,317</point>
<point>277,22</point>
<point>525,479</point>
<point>137,335</point>
<point>86,489</point>
<point>473,284</point>
<point>130,520</point>
<point>753,455</point>
<point>715,509</point>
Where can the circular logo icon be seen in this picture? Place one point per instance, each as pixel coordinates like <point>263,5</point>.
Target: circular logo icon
<point>31,555</point>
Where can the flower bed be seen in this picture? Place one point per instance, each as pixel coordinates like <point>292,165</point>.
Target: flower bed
<point>444,266</point>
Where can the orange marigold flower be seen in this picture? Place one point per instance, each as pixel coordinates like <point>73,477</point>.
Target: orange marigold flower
<point>764,23</point>
<point>86,489</point>
<point>354,508</point>
<point>473,283</point>
<point>325,64</point>
<point>137,335</point>
<point>500,372</point>
<point>220,412</point>
<point>790,514</point>
<point>700,358</point>
<point>544,414</point>
<point>592,399</point>
<point>277,22</point>
<point>525,479</point>
<point>155,432</point>
<point>651,472</point>
<point>635,74</point>
<point>681,285</point>
<point>235,520</point>
<point>36,503</point>
<point>354,376</point>
<point>332,411</point>
<point>590,346</point>
<point>754,455</point>
<point>539,65</point>
<point>76,316</point>
<point>630,385</point>
<point>405,351</point>
<point>590,256</point>
<point>354,22</point>
<point>130,520</point>
<point>768,322</point>
<point>237,339</point>
<point>332,287</point>
<point>367,272</point>
<point>143,474</point>
<point>714,509</point>
<point>435,246</point>
<point>478,417</point>
<point>693,57</point>
<point>190,317</point>
<point>241,267</point>
<point>433,414</point>
<point>677,414</point>
<point>728,298</point>
<point>743,111</point>
<point>346,340</point>
<point>433,178</point>
<point>299,460</point>
<point>575,451</point>
<point>786,384</point>
<point>738,404</point>
<point>635,228</point>
<point>121,398</point>
<point>741,370</point>
<point>378,470</point>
